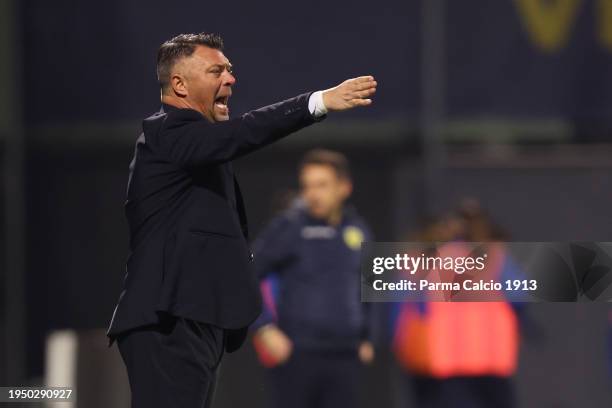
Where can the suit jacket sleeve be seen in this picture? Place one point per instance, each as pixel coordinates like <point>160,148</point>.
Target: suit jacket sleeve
<point>190,140</point>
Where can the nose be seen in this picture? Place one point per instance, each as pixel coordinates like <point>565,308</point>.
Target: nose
<point>230,79</point>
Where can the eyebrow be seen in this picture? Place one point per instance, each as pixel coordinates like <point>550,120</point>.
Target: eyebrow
<point>228,66</point>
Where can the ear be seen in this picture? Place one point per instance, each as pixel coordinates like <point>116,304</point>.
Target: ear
<point>347,188</point>
<point>179,85</point>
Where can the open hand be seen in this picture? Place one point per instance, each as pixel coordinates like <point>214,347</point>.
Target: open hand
<point>350,94</point>
<point>275,342</point>
<point>366,352</point>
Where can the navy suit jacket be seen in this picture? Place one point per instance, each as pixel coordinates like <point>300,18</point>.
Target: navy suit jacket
<point>189,254</point>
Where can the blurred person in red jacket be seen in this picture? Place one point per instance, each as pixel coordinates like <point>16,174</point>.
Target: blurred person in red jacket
<point>461,354</point>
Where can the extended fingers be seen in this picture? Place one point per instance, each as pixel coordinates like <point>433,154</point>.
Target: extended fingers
<point>361,102</point>
<point>362,79</point>
<point>351,93</point>
<point>361,89</point>
<point>364,93</point>
<point>363,83</point>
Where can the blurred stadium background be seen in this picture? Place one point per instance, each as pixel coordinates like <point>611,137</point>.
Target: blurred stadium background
<point>506,101</point>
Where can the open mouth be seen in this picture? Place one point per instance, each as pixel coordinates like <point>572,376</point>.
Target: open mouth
<point>221,102</point>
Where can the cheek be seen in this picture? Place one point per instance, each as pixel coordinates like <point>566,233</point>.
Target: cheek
<point>331,193</point>
<point>205,92</point>
<point>312,196</point>
<point>335,197</point>
<point>208,94</point>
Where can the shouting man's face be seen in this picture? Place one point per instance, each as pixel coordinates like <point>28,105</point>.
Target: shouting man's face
<point>204,81</point>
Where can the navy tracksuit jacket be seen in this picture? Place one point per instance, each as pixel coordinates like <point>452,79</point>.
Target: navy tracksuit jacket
<point>315,267</point>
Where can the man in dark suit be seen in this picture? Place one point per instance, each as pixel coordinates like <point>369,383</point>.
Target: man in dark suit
<point>189,293</point>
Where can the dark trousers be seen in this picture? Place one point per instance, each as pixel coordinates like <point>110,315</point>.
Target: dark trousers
<point>464,392</point>
<point>315,379</point>
<point>172,364</point>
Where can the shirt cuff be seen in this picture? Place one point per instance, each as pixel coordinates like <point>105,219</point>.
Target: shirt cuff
<point>315,104</point>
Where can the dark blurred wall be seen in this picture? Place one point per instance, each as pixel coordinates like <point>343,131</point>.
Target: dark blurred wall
<point>90,60</point>
<point>530,59</point>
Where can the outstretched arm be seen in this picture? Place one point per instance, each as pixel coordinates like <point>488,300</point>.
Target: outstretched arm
<point>191,140</point>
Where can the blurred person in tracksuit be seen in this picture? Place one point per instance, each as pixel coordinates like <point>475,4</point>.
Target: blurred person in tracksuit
<point>313,334</point>
<point>462,354</point>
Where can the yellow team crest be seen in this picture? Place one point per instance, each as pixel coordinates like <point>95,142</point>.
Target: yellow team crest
<point>353,237</point>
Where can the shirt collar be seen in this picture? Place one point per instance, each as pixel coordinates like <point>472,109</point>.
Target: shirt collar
<point>165,108</point>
